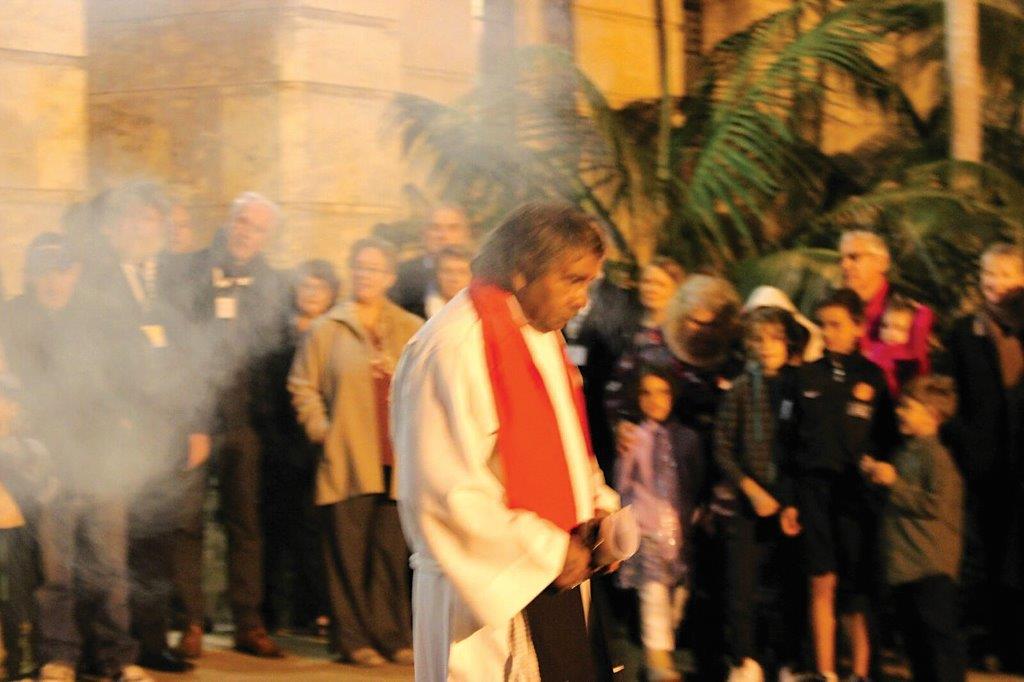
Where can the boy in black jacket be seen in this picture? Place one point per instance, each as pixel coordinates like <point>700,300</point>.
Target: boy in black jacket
<point>844,411</point>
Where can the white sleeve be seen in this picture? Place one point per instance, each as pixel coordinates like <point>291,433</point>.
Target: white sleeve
<point>452,506</point>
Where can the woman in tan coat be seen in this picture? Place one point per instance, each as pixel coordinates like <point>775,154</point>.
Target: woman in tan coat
<point>339,384</point>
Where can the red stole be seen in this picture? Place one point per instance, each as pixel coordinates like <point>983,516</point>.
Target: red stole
<point>529,442</point>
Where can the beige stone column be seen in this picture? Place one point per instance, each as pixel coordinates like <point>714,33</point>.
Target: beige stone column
<point>616,45</point>
<point>285,97</point>
<point>42,122</point>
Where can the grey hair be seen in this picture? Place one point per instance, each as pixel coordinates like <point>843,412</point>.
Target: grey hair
<point>530,240</point>
<point>248,198</point>
<point>876,244</point>
<point>131,197</point>
<point>705,292</point>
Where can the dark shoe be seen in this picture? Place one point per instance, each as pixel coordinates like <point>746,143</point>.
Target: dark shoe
<point>165,661</point>
<point>366,657</point>
<point>191,643</point>
<point>257,642</point>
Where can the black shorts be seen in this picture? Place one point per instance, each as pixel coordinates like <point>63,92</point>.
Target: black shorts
<point>840,530</point>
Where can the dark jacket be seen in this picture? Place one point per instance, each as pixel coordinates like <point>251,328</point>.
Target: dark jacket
<point>595,339</point>
<point>755,431</point>
<point>234,342</point>
<point>413,278</point>
<point>987,430</point>
<point>844,411</point>
<point>61,362</point>
<point>922,526</point>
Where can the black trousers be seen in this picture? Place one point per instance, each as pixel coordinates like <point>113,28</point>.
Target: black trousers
<point>367,567</point>
<point>292,559</point>
<point>236,464</point>
<point>152,520</point>
<point>929,618</point>
<point>765,592</point>
<point>19,575</point>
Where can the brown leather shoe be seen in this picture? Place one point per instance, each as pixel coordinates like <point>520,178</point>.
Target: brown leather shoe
<point>191,643</point>
<point>257,642</point>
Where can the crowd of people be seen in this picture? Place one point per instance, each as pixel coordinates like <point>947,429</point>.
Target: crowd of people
<point>788,475</point>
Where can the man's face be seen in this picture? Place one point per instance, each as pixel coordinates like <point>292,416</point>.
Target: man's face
<point>372,275</point>
<point>554,298</point>
<point>767,345</point>
<point>839,330</point>
<point>139,234</point>
<point>656,289</point>
<point>453,275</point>
<point>54,288</point>
<point>313,297</point>
<point>914,418</point>
<point>180,233</point>
<point>1000,274</point>
<point>250,231</point>
<point>863,268</point>
<point>448,227</point>
<point>655,398</point>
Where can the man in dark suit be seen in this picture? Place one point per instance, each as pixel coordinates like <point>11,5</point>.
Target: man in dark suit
<point>129,280</point>
<point>988,439</point>
<point>448,226</point>
<point>238,307</point>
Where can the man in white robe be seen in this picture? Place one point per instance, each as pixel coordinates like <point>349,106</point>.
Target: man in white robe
<point>479,563</point>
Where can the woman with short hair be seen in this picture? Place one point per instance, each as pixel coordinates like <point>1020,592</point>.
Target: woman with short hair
<point>339,384</point>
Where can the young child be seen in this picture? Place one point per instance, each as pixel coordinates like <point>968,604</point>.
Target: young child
<point>892,351</point>
<point>24,484</point>
<point>753,440</point>
<point>659,475</point>
<point>922,531</point>
<point>844,411</point>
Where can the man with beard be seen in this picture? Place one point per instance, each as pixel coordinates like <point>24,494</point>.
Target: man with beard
<point>495,472</point>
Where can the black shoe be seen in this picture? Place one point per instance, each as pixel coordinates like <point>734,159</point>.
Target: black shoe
<point>165,661</point>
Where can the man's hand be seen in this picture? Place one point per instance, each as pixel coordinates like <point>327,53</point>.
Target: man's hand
<point>577,565</point>
<point>760,499</point>
<point>879,473</point>
<point>625,436</point>
<point>198,450</point>
<point>789,521</point>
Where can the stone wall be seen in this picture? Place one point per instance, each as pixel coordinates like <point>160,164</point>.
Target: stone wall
<point>42,116</point>
<point>286,97</point>
<point>616,45</point>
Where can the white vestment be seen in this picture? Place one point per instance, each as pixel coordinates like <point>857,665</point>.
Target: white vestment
<point>477,563</point>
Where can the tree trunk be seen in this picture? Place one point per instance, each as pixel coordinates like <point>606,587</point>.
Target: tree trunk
<point>964,71</point>
<point>693,44</point>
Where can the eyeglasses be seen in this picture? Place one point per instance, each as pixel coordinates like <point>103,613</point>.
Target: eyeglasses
<point>365,269</point>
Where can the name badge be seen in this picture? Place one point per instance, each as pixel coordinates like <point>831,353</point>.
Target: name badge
<point>155,334</point>
<point>577,354</point>
<point>225,307</point>
<point>786,410</point>
<point>858,410</point>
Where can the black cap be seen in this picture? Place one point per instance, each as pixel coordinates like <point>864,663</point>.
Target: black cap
<point>48,251</point>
